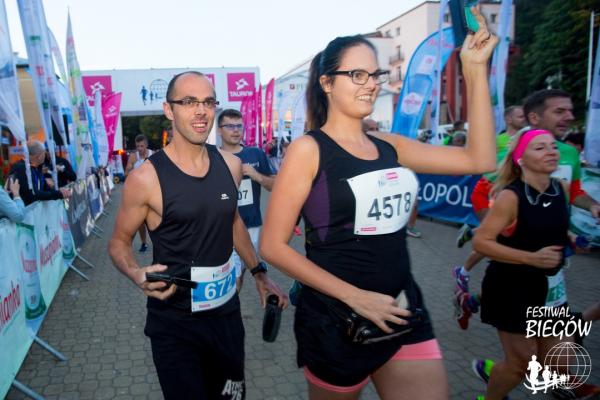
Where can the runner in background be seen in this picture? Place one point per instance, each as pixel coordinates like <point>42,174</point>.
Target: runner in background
<point>135,161</point>
<point>257,174</point>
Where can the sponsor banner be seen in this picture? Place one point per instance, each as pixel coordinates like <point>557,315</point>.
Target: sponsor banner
<point>68,245</point>
<point>11,113</point>
<point>96,83</point>
<point>240,85</point>
<point>592,137</point>
<point>269,110</point>
<point>499,65</point>
<point>104,188</point>
<point>83,141</point>
<point>14,336</point>
<point>78,212</point>
<point>582,221</point>
<point>447,197</point>
<point>299,115</point>
<point>45,217</point>
<point>101,135</point>
<point>35,305</point>
<point>93,193</point>
<point>211,78</point>
<point>259,123</point>
<point>419,80</point>
<point>111,108</point>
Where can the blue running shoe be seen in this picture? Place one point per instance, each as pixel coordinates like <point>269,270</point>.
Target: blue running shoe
<point>462,280</point>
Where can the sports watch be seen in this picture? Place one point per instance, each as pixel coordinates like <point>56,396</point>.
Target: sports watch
<point>260,267</point>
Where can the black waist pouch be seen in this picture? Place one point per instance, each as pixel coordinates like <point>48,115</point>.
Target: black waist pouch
<point>361,330</point>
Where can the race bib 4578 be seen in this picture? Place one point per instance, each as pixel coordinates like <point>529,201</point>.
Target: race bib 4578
<point>384,200</point>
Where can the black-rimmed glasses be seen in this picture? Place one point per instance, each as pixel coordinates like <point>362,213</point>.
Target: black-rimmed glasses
<point>193,103</point>
<point>361,77</point>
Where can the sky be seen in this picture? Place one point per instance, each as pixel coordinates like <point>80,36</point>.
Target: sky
<point>272,35</point>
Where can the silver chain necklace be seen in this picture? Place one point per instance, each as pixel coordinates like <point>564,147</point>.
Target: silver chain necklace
<point>553,183</point>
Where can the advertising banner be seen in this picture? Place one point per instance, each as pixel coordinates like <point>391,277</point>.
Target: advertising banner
<point>592,136</point>
<point>101,135</point>
<point>299,115</point>
<point>111,108</point>
<point>45,216</point>
<point>96,83</point>
<point>447,197</point>
<point>499,66</point>
<point>418,83</point>
<point>35,305</point>
<point>14,336</point>
<point>259,122</point>
<point>269,110</point>
<point>78,213</point>
<point>83,143</point>
<point>94,197</point>
<point>240,85</point>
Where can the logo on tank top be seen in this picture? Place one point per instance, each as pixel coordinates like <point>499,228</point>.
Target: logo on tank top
<point>224,196</point>
<point>235,389</point>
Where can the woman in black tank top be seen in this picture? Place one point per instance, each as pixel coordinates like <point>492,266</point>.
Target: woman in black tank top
<point>355,193</point>
<point>524,235</point>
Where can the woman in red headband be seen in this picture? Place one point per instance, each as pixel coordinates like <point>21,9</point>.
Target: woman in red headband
<point>524,235</point>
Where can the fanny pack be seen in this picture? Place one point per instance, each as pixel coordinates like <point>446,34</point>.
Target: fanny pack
<point>362,330</point>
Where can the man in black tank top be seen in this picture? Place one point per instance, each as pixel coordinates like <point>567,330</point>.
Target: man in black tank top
<point>187,197</point>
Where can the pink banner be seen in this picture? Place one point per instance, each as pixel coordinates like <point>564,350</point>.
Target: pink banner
<point>240,85</point>
<point>245,111</point>
<point>111,107</point>
<point>211,78</point>
<point>93,83</point>
<point>269,110</point>
<point>259,128</point>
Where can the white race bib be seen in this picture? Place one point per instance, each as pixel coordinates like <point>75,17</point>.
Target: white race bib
<point>216,285</point>
<point>245,196</point>
<point>557,291</point>
<point>564,173</point>
<point>384,200</point>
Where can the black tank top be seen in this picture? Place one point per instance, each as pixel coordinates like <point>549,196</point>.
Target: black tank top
<point>542,221</point>
<point>197,224</point>
<point>378,262</point>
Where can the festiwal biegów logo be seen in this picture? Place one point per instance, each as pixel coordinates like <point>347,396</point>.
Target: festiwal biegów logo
<point>566,366</point>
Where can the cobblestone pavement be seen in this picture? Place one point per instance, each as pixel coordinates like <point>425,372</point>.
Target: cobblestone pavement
<point>98,326</point>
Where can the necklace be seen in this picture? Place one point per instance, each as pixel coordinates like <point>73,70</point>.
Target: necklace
<point>553,184</point>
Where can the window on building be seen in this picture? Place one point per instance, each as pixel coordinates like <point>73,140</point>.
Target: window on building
<point>388,33</point>
<point>493,18</point>
<point>398,31</point>
<point>446,17</point>
<point>399,52</point>
<point>399,74</point>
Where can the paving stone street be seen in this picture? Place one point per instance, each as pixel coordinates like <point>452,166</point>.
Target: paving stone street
<point>98,325</point>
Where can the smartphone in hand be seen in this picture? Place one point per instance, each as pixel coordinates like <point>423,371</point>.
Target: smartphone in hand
<point>156,277</point>
<point>463,20</point>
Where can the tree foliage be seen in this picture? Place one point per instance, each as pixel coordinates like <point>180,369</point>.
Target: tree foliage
<point>150,125</point>
<point>553,40</point>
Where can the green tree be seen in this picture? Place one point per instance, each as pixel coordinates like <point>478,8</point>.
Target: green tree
<point>554,49</point>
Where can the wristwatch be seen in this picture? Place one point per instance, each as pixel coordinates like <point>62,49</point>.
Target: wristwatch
<point>260,267</point>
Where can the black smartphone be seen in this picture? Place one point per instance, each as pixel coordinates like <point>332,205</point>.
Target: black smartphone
<point>156,277</point>
<point>463,20</point>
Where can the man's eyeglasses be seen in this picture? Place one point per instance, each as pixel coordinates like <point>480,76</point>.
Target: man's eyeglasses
<point>361,77</point>
<point>193,103</point>
<point>231,127</point>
